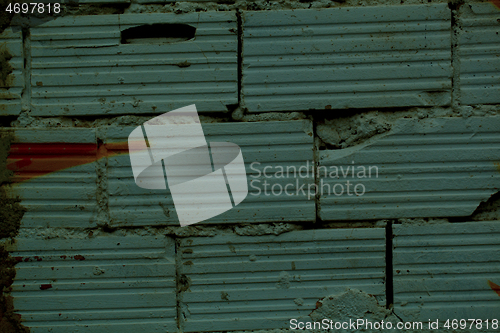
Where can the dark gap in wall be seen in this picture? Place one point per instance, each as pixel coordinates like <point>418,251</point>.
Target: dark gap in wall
<point>316,144</point>
<point>455,65</point>
<point>5,121</point>
<point>158,33</point>
<point>389,276</point>
<point>180,284</point>
<point>107,228</point>
<point>240,53</point>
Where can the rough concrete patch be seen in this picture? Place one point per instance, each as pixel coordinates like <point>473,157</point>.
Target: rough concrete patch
<point>9,321</point>
<point>350,128</point>
<point>25,120</point>
<point>489,210</point>
<point>422,221</point>
<point>96,9</point>
<point>49,233</point>
<point>239,115</point>
<point>284,281</point>
<point>5,67</point>
<point>273,116</point>
<point>180,7</point>
<point>11,212</point>
<point>352,304</point>
<point>355,224</point>
<point>265,229</point>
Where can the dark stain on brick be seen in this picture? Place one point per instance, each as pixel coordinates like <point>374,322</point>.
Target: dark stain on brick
<point>184,283</point>
<point>10,322</point>
<point>5,68</point>
<point>45,286</point>
<point>11,212</point>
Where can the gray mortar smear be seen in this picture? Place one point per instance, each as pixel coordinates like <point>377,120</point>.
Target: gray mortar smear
<point>351,305</point>
<point>353,127</point>
<point>174,231</point>
<point>186,7</point>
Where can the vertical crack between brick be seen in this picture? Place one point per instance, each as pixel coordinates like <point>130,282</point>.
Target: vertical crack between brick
<point>26,93</point>
<point>178,285</point>
<point>389,276</point>
<point>101,167</point>
<point>455,57</point>
<point>316,144</point>
<point>240,55</point>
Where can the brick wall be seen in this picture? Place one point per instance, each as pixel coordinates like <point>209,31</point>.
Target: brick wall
<point>392,111</point>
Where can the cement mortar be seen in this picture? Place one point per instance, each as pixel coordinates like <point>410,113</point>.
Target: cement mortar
<point>350,128</point>
<point>422,221</point>
<point>25,120</point>
<point>489,210</point>
<point>11,213</point>
<point>186,7</point>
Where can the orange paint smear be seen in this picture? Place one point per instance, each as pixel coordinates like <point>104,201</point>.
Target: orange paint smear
<point>30,160</point>
<point>495,287</point>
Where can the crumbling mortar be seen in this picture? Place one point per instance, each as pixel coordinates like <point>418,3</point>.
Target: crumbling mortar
<point>177,232</point>
<point>240,55</point>
<point>101,168</point>
<point>339,130</point>
<point>456,28</point>
<point>11,214</point>
<point>389,276</point>
<point>26,92</point>
<point>179,286</point>
<point>180,7</point>
<point>317,179</point>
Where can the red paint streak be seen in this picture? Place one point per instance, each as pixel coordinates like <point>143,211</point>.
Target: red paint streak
<point>63,257</point>
<point>79,257</point>
<point>496,3</point>
<point>18,259</point>
<point>38,258</point>
<point>29,160</point>
<point>45,286</point>
<point>495,287</point>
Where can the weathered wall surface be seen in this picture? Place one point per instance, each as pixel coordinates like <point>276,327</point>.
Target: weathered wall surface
<point>391,109</point>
